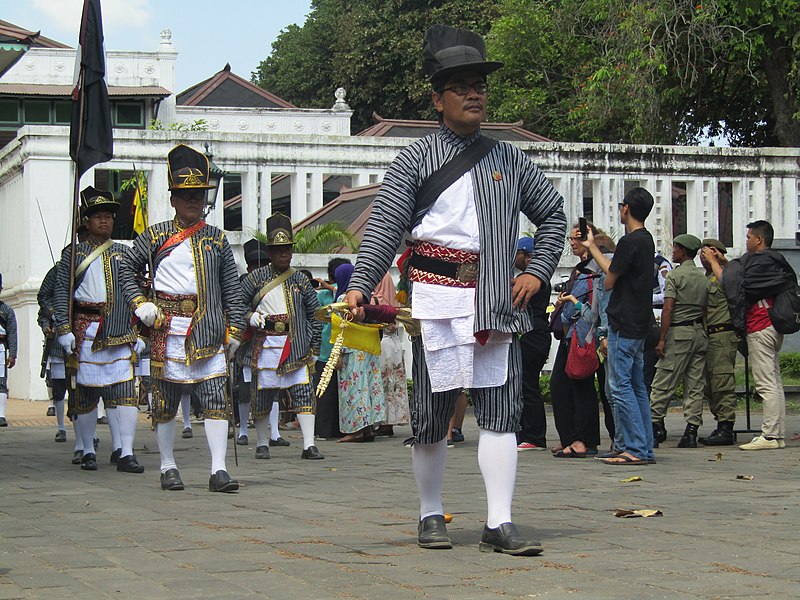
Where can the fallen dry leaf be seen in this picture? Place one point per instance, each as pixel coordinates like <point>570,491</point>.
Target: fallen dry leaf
<point>631,479</point>
<point>717,457</point>
<point>642,512</point>
<point>745,477</point>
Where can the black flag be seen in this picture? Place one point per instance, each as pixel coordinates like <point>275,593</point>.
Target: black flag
<point>90,136</point>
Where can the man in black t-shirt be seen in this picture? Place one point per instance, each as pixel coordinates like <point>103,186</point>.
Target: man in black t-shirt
<point>630,275</point>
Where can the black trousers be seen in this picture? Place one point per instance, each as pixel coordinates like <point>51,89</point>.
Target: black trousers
<point>535,346</point>
<point>327,422</point>
<point>575,407</point>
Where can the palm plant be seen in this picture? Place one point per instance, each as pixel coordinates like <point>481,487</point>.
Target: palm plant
<point>319,239</point>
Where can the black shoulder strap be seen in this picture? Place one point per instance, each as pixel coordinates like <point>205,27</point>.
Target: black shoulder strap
<point>447,174</point>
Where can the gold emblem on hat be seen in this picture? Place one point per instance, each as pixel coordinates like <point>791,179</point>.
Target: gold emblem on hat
<point>192,178</point>
<point>281,238</point>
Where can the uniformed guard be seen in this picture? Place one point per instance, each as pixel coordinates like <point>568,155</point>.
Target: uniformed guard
<point>195,310</point>
<point>683,341</point>
<point>53,354</point>
<point>100,333</point>
<point>287,337</point>
<point>720,390</point>
<point>8,351</point>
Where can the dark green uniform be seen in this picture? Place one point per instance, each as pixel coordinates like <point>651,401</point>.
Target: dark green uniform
<point>686,344</point>
<point>721,356</point>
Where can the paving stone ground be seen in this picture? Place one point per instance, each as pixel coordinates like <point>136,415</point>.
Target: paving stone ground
<point>345,527</point>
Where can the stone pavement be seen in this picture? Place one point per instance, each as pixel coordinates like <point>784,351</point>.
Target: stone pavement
<point>345,527</point>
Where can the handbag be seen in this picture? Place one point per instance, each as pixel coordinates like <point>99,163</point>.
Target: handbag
<point>582,361</point>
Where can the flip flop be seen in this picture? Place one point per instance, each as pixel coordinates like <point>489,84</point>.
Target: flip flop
<point>627,461</point>
<point>571,454</point>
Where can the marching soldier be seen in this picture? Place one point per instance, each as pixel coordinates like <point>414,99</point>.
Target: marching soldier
<point>100,333</point>
<point>8,351</point>
<point>720,390</point>
<point>195,311</point>
<point>683,341</point>
<point>53,360</point>
<point>287,337</point>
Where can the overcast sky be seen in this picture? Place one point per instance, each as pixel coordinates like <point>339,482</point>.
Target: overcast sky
<point>206,33</point>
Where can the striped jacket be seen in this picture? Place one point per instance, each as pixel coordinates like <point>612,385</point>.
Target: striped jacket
<point>9,322</point>
<point>220,307</point>
<point>505,183</point>
<point>115,328</point>
<point>46,300</point>
<point>305,331</point>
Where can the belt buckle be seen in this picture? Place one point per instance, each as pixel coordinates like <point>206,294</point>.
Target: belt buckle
<point>467,272</point>
<point>187,306</point>
<point>280,326</point>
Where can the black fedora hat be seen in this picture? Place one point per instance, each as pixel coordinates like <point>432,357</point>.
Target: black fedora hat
<point>188,169</point>
<point>447,50</point>
<point>94,200</point>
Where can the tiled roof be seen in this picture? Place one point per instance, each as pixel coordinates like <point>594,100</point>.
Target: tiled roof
<point>36,89</point>
<point>229,90</point>
<point>13,33</point>
<point>509,132</point>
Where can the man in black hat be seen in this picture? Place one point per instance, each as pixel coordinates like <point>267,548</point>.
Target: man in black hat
<point>8,351</point>
<point>194,311</point>
<point>465,229</point>
<point>287,337</point>
<point>100,334</point>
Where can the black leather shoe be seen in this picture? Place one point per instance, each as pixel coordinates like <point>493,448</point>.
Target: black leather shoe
<point>507,539</point>
<point>279,442</point>
<point>187,433</point>
<point>115,456</point>
<point>262,452</point>
<point>721,436</point>
<point>312,453</point>
<point>51,411</point>
<point>171,480</point>
<point>689,437</point>
<point>432,533</point>
<point>77,456</point>
<point>129,464</point>
<point>89,462</point>
<point>3,422</point>
<point>222,482</point>
<point>61,435</point>
<point>659,433</point>
<point>242,440</point>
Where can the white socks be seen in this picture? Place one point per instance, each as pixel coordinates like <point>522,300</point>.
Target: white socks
<point>428,463</point>
<point>126,420</point>
<point>217,436</point>
<point>59,406</point>
<point>261,431</point>
<point>165,434</point>
<point>3,399</point>
<point>307,427</point>
<point>244,414</point>
<point>113,425</point>
<point>497,459</point>
<point>274,413</point>
<point>186,410</point>
<point>84,427</point>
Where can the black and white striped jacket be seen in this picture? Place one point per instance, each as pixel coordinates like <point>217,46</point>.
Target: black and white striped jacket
<point>220,307</point>
<point>115,328</point>
<point>9,322</point>
<point>505,183</point>
<point>46,300</point>
<point>301,302</point>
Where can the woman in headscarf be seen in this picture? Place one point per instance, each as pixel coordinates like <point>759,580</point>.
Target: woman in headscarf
<point>361,400</point>
<point>393,369</point>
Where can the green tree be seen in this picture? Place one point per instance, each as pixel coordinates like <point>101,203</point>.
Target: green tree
<point>328,238</point>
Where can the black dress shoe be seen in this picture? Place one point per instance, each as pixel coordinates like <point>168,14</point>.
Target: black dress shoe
<point>222,482</point>
<point>279,442</point>
<point>242,440</point>
<point>312,453</point>
<point>721,436</point>
<point>171,480</point>
<point>61,435</point>
<point>129,464</point>
<point>262,452</point>
<point>115,456</point>
<point>507,539</point>
<point>187,433</point>
<point>3,422</point>
<point>77,456</point>
<point>51,411</point>
<point>432,533</point>
<point>89,462</point>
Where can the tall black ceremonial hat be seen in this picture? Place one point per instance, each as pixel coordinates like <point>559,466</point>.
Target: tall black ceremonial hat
<point>188,169</point>
<point>447,50</point>
<point>255,253</point>
<point>279,230</point>
<point>94,200</point>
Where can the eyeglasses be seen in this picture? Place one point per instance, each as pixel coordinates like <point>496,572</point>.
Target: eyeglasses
<point>462,89</point>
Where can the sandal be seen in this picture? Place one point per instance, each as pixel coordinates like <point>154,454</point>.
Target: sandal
<point>571,454</point>
<point>624,460</point>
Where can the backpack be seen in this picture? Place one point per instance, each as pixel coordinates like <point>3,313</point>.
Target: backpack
<point>785,312</point>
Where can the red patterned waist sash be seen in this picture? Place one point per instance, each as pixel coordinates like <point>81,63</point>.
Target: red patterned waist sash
<point>439,265</point>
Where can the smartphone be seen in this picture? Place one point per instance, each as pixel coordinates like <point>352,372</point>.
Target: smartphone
<point>582,228</point>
